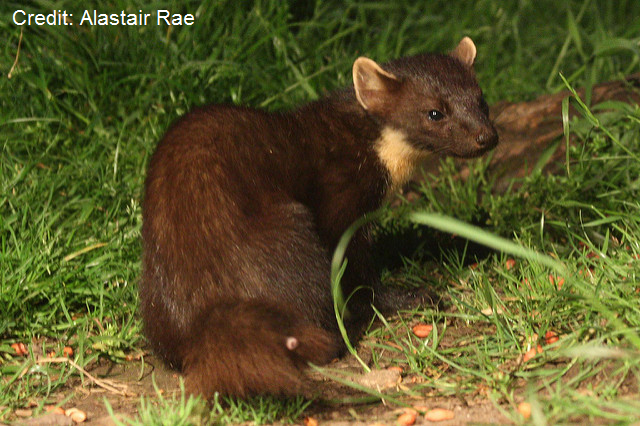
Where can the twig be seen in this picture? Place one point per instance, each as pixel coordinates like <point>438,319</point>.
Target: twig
<point>17,54</point>
<point>109,385</point>
<point>83,251</point>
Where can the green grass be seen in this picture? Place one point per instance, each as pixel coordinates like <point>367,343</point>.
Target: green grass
<point>86,105</point>
<point>183,409</point>
<point>589,220</point>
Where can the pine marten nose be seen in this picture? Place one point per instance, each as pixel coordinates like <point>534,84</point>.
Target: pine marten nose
<point>487,139</point>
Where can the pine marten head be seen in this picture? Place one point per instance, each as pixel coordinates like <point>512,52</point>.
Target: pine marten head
<point>427,103</point>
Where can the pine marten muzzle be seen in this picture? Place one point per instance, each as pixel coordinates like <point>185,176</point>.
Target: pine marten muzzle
<point>243,209</point>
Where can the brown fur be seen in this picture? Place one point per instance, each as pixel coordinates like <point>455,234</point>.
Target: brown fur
<point>243,209</point>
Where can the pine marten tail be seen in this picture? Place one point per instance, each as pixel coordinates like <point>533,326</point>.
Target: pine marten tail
<point>251,348</point>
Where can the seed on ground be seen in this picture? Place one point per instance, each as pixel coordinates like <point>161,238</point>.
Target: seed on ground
<point>422,330</point>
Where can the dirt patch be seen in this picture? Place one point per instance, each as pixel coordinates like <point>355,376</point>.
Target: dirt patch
<point>328,409</point>
<point>336,403</point>
<point>480,413</point>
<point>131,380</point>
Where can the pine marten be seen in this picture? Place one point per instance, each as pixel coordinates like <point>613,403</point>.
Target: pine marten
<point>243,209</point>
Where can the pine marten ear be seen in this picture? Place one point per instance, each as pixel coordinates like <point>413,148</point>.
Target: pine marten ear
<point>374,86</point>
<point>465,52</point>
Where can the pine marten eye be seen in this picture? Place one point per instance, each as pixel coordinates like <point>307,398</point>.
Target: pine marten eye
<point>435,115</point>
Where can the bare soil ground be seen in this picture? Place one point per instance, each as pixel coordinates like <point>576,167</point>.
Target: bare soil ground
<point>141,378</point>
<point>129,381</point>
